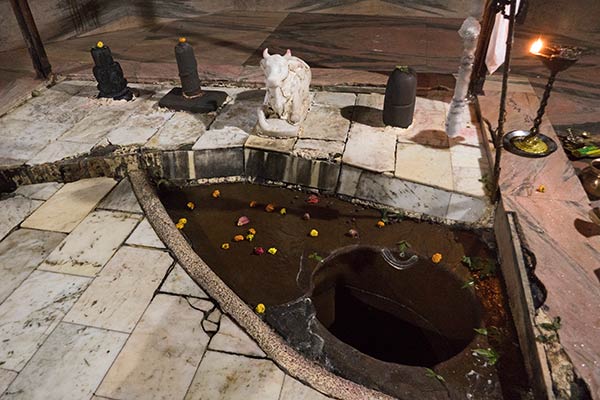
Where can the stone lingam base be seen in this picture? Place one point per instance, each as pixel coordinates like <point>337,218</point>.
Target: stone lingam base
<point>207,101</point>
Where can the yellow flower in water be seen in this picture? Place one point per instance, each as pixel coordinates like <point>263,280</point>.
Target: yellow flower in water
<point>100,44</point>
<point>283,211</point>
<point>380,224</point>
<point>179,225</point>
<point>272,250</point>
<point>270,207</point>
<point>436,258</point>
<point>314,233</point>
<point>238,238</point>
<point>252,231</point>
<point>191,205</point>
<point>182,221</point>
<point>225,246</point>
<point>216,193</point>
<point>541,189</point>
<point>260,308</point>
<point>253,204</point>
<point>249,237</point>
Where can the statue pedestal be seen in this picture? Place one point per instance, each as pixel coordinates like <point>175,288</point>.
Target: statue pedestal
<point>209,101</point>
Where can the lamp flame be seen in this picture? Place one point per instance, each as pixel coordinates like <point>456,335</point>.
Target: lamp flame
<point>537,46</point>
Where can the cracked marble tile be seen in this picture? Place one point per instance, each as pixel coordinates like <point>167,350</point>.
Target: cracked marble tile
<point>144,235</point>
<point>121,198</point>
<point>232,339</point>
<point>161,355</point>
<point>179,282</point>
<point>32,312</point>
<point>14,210</point>
<point>69,366</point>
<point>39,191</point>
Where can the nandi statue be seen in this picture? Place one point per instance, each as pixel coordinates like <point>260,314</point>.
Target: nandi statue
<point>287,80</point>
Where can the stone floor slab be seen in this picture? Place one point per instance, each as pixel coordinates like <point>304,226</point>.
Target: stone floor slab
<point>121,198</point>
<point>225,138</point>
<point>20,253</point>
<point>162,354</point>
<point>13,211</point>
<point>467,208</point>
<point>95,126</point>
<point>232,339</point>
<point>232,377</point>
<point>179,282</point>
<point>6,377</point>
<point>70,205</point>
<point>241,112</point>
<point>119,295</point>
<point>271,144</point>
<point>138,128</point>
<point>319,149</point>
<point>370,149</point>
<point>39,191</point>
<point>92,243</point>
<point>144,235</point>
<point>295,390</point>
<point>69,366</point>
<point>59,150</point>
<point>325,123</point>
<point>425,165</point>
<point>32,312</point>
<point>334,99</point>
<point>182,129</point>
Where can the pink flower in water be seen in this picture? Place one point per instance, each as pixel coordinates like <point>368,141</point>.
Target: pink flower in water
<point>353,233</point>
<point>306,216</point>
<point>259,251</point>
<point>243,220</point>
<point>312,199</point>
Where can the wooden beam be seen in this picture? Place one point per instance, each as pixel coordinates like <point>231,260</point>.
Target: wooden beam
<point>32,38</point>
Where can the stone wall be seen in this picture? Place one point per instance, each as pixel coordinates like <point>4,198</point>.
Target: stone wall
<point>58,18</point>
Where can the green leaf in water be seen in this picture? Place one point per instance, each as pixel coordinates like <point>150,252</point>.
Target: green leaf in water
<point>481,331</point>
<point>431,373</point>
<point>403,245</point>
<point>468,284</point>
<point>315,256</point>
<point>553,326</point>
<point>490,355</point>
<point>467,261</point>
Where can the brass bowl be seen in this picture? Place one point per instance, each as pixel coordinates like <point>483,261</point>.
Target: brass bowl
<point>548,146</point>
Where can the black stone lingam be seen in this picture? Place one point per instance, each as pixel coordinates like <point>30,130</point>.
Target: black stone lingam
<point>108,73</point>
<point>400,97</point>
<point>190,96</point>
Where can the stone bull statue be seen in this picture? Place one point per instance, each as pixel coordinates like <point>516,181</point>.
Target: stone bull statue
<point>286,104</point>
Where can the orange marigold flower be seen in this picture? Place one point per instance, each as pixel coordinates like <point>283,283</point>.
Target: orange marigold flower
<point>436,258</point>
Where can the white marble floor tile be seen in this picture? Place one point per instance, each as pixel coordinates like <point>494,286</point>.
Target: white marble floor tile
<point>226,138</point>
<point>334,99</point>
<point>20,253</point>
<point>183,128</point>
<point>6,377</point>
<point>326,123</point>
<point>121,198</point>
<point>39,191</point>
<point>425,165</point>
<point>59,150</point>
<point>162,354</point>
<point>69,366</point>
<point>32,312</point>
<point>227,376</point>
<point>119,295</point>
<point>232,339</point>
<point>92,243</point>
<point>179,282</point>
<point>95,126</point>
<point>138,128</point>
<point>370,148</point>
<point>70,205</point>
<point>468,157</point>
<point>469,181</point>
<point>144,235</point>
<point>296,390</point>
<point>13,211</point>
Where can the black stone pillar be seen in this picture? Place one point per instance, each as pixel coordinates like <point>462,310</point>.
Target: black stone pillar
<point>108,73</point>
<point>190,96</point>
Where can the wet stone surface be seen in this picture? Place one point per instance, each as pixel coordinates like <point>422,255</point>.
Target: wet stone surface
<point>444,294</point>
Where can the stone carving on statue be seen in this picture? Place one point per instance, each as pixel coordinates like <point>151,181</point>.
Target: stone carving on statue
<point>287,100</point>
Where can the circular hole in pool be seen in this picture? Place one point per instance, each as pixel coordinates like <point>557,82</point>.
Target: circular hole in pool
<point>420,316</point>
